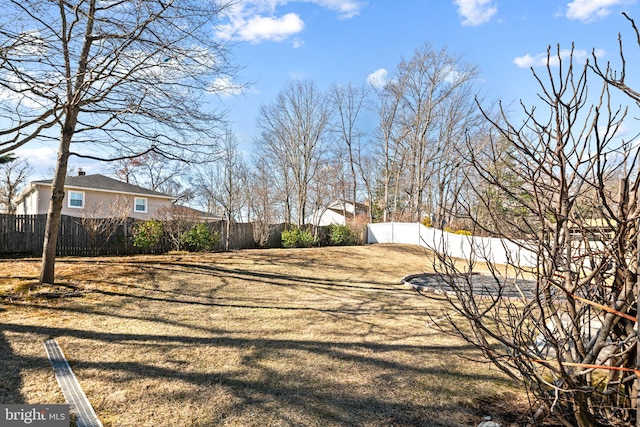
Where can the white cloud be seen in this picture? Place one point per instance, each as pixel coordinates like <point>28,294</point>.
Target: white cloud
<point>345,8</point>
<point>591,10</point>
<point>20,94</point>
<point>378,78</point>
<point>297,75</point>
<point>30,43</point>
<point>260,28</point>
<point>41,159</point>
<point>475,12</point>
<point>257,21</point>
<point>224,86</point>
<point>540,60</point>
<point>527,60</point>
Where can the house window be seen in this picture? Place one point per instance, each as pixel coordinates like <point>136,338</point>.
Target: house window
<point>76,199</point>
<point>140,205</point>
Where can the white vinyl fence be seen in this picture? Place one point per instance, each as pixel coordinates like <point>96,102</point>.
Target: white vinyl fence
<point>488,249</point>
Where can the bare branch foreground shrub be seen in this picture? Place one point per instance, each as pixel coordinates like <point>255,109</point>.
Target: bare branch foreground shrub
<point>565,326</point>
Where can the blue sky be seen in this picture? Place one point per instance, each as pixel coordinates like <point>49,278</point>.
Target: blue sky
<point>352,41</point>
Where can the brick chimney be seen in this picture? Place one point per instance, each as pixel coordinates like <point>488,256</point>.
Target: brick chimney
<point>81,172</point>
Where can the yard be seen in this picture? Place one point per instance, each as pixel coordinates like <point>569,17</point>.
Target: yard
<point>321,336</point>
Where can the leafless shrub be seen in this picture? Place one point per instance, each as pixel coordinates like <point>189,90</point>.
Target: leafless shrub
<point>101,220</point>
<point>566,325</point>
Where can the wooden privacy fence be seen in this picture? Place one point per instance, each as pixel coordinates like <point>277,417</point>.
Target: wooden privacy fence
<point>21,234</point>
<point>24,235</point>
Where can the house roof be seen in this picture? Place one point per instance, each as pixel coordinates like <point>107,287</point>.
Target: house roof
<point>342,212</point>
<point>202,214</point>
<point>338,205</point>
<point>104,183</point>
<point>342,208</point>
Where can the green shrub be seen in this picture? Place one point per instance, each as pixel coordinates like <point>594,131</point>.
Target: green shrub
<point>426,221</point>
<point>342,235</point>
<point>199,238</point>
<point>147,234</point>
<point>297,238</point>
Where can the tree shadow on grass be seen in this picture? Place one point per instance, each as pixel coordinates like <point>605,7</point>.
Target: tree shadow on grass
<point>266,381</point>
<point>11,367</point>
<point>139,293</point>
<point>329,289</point>
<point>198,268</point>
<point>283,395</point>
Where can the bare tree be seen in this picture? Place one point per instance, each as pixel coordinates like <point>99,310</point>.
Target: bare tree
<point>424,111</point>
<point>234,180</point>
<point>101,220</point>
<point>458,119</point>
<point>155,172</point>
<point>223,183</point>
<point>274,172</point>
<point>293,133</point>
<point>204,180</point>
<point>176,221</point>
<point>97,77</point>
<point>368,168</point>
<point>436,91</point>
<point>618,79</point>
<point>331,185</point>
<point>262,205</point>
<point>348,103</point>
<point>388,145</point>
<point>565,327</point>
<point>13,176</point>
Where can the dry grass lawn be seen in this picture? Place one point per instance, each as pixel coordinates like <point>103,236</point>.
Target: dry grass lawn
<point>304,337</point>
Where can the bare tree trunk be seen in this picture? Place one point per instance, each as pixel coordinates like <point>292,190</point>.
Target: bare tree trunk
<point>354,194</point>
<point>385,212</point>
<point>47,271</point>
<point>396,194</point>
<point>71,110</point>
<point>583,417</point>
<point>89,70</point>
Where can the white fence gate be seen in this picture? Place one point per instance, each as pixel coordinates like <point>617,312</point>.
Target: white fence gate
<point>487,249</point>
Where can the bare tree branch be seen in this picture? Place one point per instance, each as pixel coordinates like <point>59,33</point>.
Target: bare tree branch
<point>564,184</point>
<point>108,76</point>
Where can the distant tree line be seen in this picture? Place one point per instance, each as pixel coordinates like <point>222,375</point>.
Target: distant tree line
<point>399,146</point>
